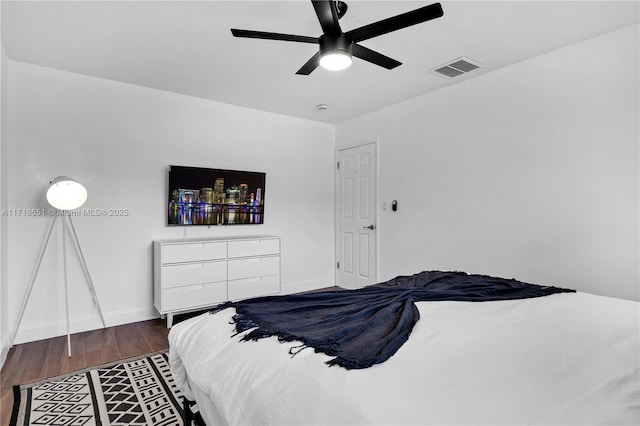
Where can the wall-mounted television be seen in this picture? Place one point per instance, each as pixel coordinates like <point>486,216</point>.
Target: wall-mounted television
<point>203,196</point>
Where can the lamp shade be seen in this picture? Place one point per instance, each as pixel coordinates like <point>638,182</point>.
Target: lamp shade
<point>66,193</point>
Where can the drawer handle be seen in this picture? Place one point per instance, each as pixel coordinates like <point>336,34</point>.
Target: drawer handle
<point>196,246</point>
<point>195,265</point>
<point>254,260</point>
<point>196,287</point>
<point>254,280</point>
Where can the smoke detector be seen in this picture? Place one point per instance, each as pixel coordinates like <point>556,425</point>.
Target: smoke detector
<point>457,67</point>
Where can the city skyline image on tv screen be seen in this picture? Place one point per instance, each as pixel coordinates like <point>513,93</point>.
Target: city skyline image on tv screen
<point>206,196</point>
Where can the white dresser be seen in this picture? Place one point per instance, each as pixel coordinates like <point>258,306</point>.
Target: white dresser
<point>198,273</point>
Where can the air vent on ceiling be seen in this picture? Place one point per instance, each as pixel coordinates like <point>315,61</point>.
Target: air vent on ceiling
<point>457,67</point>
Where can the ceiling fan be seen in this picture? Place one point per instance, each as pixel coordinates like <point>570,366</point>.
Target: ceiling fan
<point>337,47</point>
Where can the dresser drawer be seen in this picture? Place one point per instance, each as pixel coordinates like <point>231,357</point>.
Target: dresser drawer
<point>253,267</point>
<point>175,299</point>
<point>190,252</point>
<point>250,287</point>
<point>193,273</point>
<point>247,248</point>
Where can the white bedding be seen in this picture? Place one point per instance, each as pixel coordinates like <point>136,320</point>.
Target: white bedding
<point>564,359</point>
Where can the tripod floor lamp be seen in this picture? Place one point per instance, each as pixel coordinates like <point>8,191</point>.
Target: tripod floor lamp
<point>63,194</point>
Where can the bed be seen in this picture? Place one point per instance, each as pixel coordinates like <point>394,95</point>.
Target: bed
<point>562,359</point>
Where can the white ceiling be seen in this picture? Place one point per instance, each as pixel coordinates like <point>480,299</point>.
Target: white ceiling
<point>187,47</point>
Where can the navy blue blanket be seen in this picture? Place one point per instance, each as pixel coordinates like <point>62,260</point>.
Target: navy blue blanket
<point>363,327</point>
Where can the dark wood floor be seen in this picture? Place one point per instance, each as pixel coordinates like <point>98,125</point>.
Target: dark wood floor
<point>33,361</point>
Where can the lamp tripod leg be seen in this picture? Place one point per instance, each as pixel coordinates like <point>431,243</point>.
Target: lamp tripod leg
<point>33,279</point>
<point>86,270</point>
<point>66,288</point>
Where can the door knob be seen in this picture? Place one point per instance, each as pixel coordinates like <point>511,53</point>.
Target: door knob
<point>369,227</point>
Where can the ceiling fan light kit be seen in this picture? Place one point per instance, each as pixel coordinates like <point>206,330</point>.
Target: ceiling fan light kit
<point>335,60</point>
<point>335,53</point>
<point>336,48</point>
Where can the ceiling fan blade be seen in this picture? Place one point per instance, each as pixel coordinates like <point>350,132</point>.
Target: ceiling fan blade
<point>396,22</point>
<point>327,13</point>
<point>374,57</point>
<point>273,36</point>
<point>311,65</point>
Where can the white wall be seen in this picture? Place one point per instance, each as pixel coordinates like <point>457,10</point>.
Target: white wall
<point>118,140</point>
<point>529,172</point>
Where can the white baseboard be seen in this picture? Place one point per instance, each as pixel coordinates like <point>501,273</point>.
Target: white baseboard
<point>4,351</point>
<point>301,286</point>
<point>48,330</point>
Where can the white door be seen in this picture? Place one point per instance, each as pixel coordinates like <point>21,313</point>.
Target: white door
<point>357,234</point>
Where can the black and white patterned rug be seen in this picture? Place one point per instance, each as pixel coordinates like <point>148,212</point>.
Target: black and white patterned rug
<point>138,392</point>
